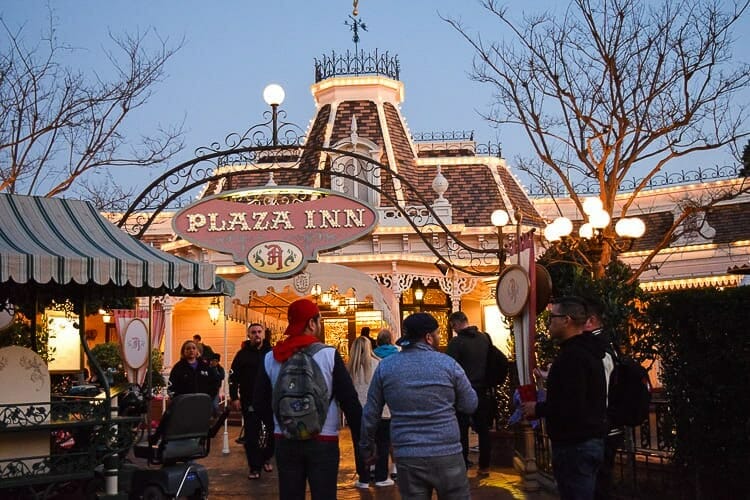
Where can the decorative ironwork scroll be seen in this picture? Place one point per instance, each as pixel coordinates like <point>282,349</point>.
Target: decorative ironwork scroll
<point>357,63</point>
<point>346,172</point>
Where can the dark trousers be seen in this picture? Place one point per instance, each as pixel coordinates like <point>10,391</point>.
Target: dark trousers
<point>604,477</point>
<point>418,477</point>
<point>481,421</point>
<point>575,467</point>
<point>311,461</point>
<point>382,445</point>
<point>257,452</point>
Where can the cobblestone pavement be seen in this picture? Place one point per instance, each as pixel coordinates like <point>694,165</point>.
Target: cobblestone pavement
<point>228,477</point>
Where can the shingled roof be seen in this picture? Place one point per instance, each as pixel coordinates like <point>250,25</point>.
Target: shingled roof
<point>369,107</point>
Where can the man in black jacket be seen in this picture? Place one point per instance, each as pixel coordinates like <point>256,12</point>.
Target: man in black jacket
<point>241,380</point>
<point>615,434</point>
<point>469,348</point>
<point>575,409</point>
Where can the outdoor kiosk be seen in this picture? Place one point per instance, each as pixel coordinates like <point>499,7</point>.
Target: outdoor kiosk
<point>62,252</point>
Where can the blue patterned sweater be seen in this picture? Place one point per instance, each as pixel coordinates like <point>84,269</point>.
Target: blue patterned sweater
<point>424,389</point>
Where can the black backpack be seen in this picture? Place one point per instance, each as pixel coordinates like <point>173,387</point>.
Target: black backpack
<point>497,366</point>
<point>629,393</point>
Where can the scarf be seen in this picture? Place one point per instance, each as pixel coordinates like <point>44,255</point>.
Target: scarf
<point>283,350</point>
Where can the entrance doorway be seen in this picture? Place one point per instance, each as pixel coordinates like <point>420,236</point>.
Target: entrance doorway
<point>430,299</point>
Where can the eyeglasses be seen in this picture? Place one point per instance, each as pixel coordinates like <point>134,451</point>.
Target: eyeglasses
<point>552,315</point>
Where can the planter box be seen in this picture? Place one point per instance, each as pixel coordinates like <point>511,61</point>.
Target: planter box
<point>503,448</point>
<point>156,409</point>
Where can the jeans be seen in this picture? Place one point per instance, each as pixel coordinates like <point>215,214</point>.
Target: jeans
<point>382,447</point>
<point>419,476</point>
<point>482,419</point>
<point>604,477</point>
<point>311,461</point>
<point>575,467</point>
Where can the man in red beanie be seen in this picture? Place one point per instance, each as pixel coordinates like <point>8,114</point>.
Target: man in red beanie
<point>314,460</point>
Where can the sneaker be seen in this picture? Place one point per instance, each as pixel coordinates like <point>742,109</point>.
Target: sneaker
<point>361,485</point>
<point>385,482</point>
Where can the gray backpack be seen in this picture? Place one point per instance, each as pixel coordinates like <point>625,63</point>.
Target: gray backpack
<point>300,395</point>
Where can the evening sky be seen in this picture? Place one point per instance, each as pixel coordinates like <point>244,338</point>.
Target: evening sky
<point>234,48</point>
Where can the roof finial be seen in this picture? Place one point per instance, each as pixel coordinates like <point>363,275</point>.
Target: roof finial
<point>355,25</point>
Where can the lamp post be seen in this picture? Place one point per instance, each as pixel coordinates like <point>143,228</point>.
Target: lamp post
<point>274,95</point>
<point>500,219</point>
<point>593,234</point>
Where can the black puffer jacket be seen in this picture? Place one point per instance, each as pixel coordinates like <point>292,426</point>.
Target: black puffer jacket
<point>469,349</point>
<point>184,379</point>
<point>575,408</point>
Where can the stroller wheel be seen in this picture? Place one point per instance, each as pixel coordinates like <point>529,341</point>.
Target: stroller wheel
<point>153,492</point>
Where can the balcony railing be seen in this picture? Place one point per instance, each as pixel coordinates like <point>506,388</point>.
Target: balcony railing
<point>554,189</point>
<point>357,64</point>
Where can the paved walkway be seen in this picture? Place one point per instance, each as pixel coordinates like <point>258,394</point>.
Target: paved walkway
<point>228,478</point>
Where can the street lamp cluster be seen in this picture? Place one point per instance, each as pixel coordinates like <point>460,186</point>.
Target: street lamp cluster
<point>591,236</point>
<point>628,228</point>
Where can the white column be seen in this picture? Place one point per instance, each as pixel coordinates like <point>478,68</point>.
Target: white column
<point>168,306</point>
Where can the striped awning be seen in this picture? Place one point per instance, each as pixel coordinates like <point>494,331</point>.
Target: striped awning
<point>55,241</point>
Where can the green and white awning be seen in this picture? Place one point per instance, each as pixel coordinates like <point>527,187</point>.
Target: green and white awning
<point>55,241</point>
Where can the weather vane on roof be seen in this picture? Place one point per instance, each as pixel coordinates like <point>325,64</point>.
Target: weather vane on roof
<point>355,25</point>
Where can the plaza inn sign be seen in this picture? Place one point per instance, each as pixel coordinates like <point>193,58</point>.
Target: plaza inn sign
<point>275,231</point>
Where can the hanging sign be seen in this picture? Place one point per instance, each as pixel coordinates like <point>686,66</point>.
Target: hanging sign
<point>275,231</point>
<point>135,344</point>
<point>7,313</point>
<point>512,291</point>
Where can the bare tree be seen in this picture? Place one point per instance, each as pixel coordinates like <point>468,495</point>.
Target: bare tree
<point>62,130</point>
<point>618,87</point>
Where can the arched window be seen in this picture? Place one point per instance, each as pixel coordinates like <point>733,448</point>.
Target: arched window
<point>360,175</point>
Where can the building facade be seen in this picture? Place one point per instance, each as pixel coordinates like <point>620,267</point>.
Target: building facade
<point>359,144</point>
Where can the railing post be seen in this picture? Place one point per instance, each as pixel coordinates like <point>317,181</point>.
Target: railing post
<point>526,462</point>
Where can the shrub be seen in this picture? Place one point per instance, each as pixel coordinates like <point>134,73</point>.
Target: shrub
<point>705,355</point>
<point>110,359</point>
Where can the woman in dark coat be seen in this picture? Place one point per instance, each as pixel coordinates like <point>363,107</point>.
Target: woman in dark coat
<point>192,373</point>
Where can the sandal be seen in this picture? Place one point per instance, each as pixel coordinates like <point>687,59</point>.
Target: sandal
<point>253,474</point>
<point>268,467</point>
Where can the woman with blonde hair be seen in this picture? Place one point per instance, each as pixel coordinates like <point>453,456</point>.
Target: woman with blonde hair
<point>361,366</point>
<point>192,373</point>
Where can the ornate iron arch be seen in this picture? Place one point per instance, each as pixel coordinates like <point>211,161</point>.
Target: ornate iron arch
<point>252,152</point>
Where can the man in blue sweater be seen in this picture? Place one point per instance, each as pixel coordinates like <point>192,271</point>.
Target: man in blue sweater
<point>423,389</point>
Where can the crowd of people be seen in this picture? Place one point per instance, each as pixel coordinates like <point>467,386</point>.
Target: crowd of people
<point>407,404</point>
